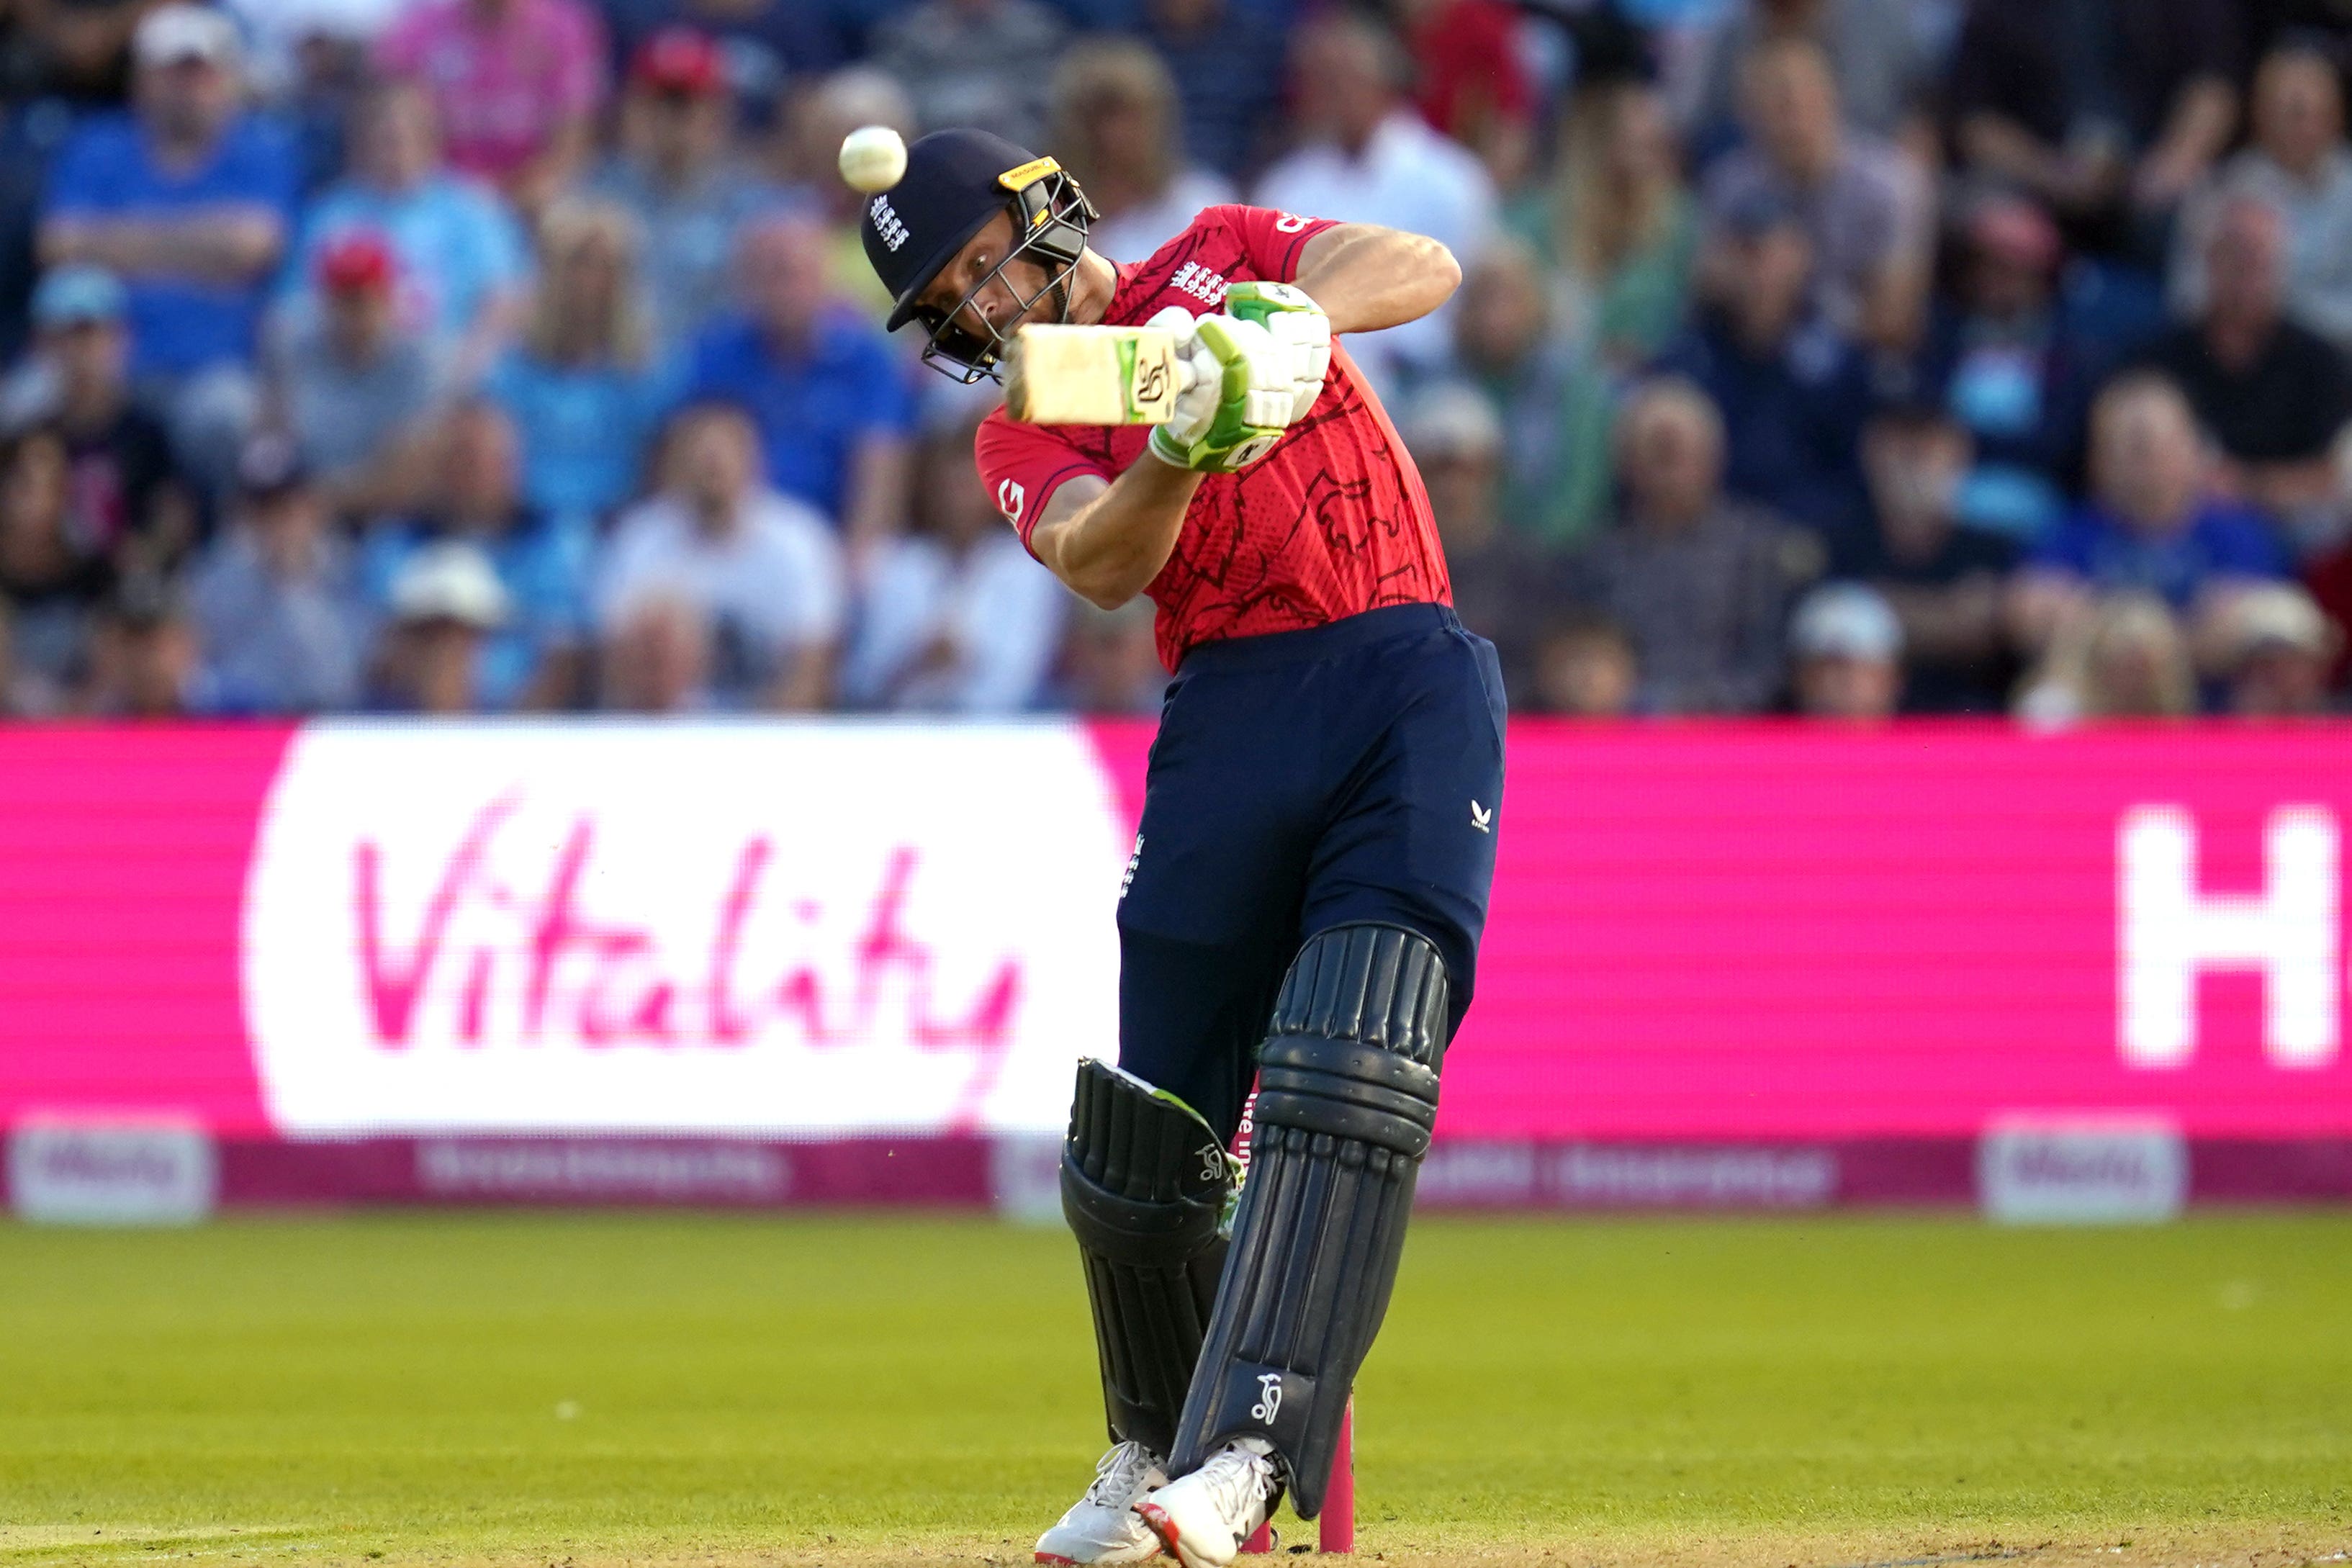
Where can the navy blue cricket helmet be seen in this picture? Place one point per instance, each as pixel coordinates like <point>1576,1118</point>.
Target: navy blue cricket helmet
<point>956,181</point>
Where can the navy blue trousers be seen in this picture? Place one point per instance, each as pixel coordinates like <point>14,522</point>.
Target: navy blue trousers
<point>1303,780</point>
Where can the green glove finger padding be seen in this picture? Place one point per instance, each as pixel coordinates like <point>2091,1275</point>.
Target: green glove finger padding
<point>1258,301</point>
<point>1232,439</point>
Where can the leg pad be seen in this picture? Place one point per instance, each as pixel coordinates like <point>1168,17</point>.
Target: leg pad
<point>1347,1094</point>
<point>1144,1186</point>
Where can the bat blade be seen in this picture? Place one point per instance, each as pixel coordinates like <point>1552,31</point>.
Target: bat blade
<point>1092,375</point>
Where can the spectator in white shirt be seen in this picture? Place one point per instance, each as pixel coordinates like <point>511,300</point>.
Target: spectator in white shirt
<point>721,575</point>
<point>1115,128</point>
<point>955,618</point>
<point>1370,158</point>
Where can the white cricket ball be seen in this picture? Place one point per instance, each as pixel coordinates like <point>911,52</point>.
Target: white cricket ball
<point>872,158</point>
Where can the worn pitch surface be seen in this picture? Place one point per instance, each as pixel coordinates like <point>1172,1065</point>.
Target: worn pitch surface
<point>522,1389</point>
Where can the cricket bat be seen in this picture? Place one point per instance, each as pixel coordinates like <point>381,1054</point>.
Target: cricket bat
<point>1093,375</point>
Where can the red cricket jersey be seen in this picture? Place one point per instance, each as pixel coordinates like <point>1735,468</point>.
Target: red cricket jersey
<point>1330,523</point>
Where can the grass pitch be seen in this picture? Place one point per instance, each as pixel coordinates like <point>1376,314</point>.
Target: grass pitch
<point>509,1390</point>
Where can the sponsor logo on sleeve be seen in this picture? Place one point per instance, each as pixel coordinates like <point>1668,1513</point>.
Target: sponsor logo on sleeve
<point>1010,499</point>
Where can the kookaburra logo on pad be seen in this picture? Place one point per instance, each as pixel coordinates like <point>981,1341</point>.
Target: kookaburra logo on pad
<point>1269,1400</point>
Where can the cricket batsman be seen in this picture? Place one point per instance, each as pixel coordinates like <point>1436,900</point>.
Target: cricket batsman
<point>1306,895</point>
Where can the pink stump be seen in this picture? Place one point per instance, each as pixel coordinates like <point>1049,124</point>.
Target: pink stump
<point>1338,1521</point>
<point>1335,1526</point>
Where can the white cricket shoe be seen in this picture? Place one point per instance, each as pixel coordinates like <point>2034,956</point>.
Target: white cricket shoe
<point>1204,1518</point>
<point>1103,1526</point>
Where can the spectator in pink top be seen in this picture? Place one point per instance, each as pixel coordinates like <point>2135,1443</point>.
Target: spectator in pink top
<point>518,84</point>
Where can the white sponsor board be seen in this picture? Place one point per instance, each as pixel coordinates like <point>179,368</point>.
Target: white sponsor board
<point>635,928</point>
<point>66,1172</point>
<point>597,1170</point>
<point>2074,1170</point>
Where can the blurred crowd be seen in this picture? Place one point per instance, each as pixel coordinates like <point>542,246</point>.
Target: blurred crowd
<point>1836,357</point>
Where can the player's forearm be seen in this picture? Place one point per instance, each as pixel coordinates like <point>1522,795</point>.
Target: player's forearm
<point>1108,547</point>
<point>1366,277</point>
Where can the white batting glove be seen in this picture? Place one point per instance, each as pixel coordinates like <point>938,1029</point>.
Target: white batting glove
<point>1238,400</point>
<point>1300,325</point>
<point>1196,381</point>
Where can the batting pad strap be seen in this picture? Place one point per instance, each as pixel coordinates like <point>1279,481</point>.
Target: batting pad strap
<point>1378,985</point>
<point>1146,1231</point>
<point>1347,1091</point>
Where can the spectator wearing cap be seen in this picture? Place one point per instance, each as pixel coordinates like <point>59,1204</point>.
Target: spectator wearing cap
<point>584,386</point>
<point>2298,164</point>
<point>2274,394</point>
<point>2274,653</point>
<point>1115,129</point>
<point>2006,357</point>
<point>1368,156</point>
<point>129,501</point>
<point>1865,208</point>
<point>276,607</point>
<point>49,581</point>
<point>955,617</point>
<point>2100,109</point>
<point>974,62</point>
<point>462,261</point>
<point>1942,577</point>
<point>720,592</point>
<point>1845,644</point>
<point>517,84</point>
<point>1699,582</point>
<point>145,662</point>
<point>768,45</point>
<point>676,174</point>
<point>1554,395</point>
<point>2151,525</point>
<point>827,392</point>
<point>535,658</point>
<point>447,605</point>
<point>1506,586</point>
<point>1793,389</point>
<point>188,201</point>
<point>353,390</point>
